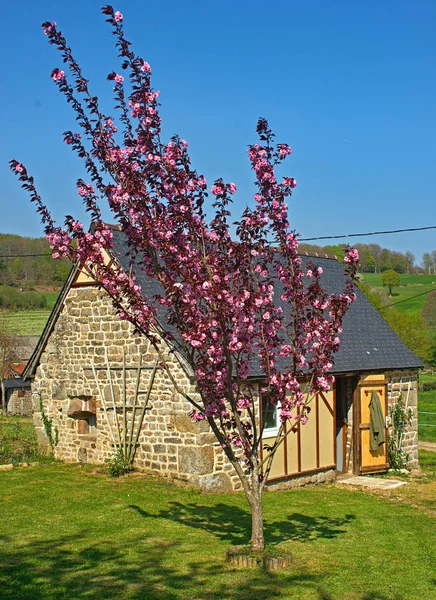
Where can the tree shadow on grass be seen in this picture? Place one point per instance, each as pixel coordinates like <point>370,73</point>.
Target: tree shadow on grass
<point>233,524</point>
<point>141,568</point>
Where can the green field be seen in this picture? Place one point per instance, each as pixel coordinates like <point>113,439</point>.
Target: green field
<point>28,322</point>
<point>411,285</point>
<point>51,298</point>
<point>25,322</point>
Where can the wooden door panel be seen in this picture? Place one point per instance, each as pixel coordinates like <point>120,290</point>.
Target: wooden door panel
<point>372,460</point>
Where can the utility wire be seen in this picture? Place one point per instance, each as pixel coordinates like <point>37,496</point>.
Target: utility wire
<point>311,239</point>
<point>24,255</point>
<point>336,237</point>
<point>407,299</point>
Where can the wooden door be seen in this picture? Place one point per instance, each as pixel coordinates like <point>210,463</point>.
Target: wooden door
<point>371,461</point>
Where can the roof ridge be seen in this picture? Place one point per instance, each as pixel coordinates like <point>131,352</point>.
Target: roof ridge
<point>318,255</point>
<point>116,227</point>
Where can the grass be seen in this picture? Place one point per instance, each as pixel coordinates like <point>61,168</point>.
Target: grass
<point>411,285</point>
<point>28,322</point>
<point>421,494</point>
<point>51,298</point>
<point>427,404</point>
<point>70,532</point>
<point>25,322</point>
<point>17,440</point>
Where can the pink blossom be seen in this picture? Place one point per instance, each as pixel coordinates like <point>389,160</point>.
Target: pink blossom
<point>19,168</point>
<point>284,150</point>
<point>352,257</point>
<point>58,75</point>
<point>145,67</point>
<point>217,190</point>
<point>232,188</point>
<point>49,27</point>
<point>119,78</point>
<point>118,17</point>
<point>290,181</point>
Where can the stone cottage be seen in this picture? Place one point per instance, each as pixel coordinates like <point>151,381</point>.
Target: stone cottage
<point>83,335</point>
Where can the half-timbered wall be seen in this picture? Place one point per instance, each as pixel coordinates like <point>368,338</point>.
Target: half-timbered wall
<point>311,448</point>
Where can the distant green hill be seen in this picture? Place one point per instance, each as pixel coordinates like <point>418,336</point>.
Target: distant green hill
<point>411,285</point>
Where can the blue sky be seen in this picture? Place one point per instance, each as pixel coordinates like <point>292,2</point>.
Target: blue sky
<point>350,86</point>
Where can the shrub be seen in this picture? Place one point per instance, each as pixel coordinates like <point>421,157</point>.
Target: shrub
<point>400,417</point>
<point>427,386</point>
<point>15,444</point>
<point>11,297</point>
<point>118,464</point>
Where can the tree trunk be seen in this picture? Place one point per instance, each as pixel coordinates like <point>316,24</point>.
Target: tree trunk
<point>255,500</point>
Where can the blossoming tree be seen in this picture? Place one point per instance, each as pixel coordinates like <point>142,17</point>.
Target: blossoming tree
<point>220,290</point>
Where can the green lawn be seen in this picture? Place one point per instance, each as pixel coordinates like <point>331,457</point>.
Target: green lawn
<point>411,285</point>
<point>51,298</point>
<point>427,411</point>
<point>70,532</point>
<point>17,440</point>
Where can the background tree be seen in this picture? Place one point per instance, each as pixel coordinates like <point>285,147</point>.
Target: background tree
<point>427,262</point>
<point>411,329</point>
<point>429,310</point>
<point>390,279</point>
<point>410,257</point>
<point>367,261</point>
<point>376,251</point>
<point>222,294</point>
<point>433,259</point>
<point>7,356</point>
<point>385,260</point>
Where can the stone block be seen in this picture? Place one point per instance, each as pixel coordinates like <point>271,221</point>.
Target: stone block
<point>218,483</point>
<point>91,406</point>
<point>82,426</point>
<point>75,407</point>
<point>82,455</point>
<point>196,460</point>
<point>159,448</point>
<point>185,424</point>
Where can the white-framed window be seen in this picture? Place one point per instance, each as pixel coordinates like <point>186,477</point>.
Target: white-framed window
<point>270,418</point>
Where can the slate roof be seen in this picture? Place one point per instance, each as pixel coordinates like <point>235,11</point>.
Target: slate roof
<point>367,343</point>
<point>18,382</point>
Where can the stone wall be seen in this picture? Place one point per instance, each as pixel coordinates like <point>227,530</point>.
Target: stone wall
<point>170,443</point>
<point>406,383</point>
<point>19,402</point>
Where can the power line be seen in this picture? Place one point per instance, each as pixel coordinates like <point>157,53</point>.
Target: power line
<point>407,299</point>
<point>311,239</point>
<point>336,237</point>
<point>24,255</point>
